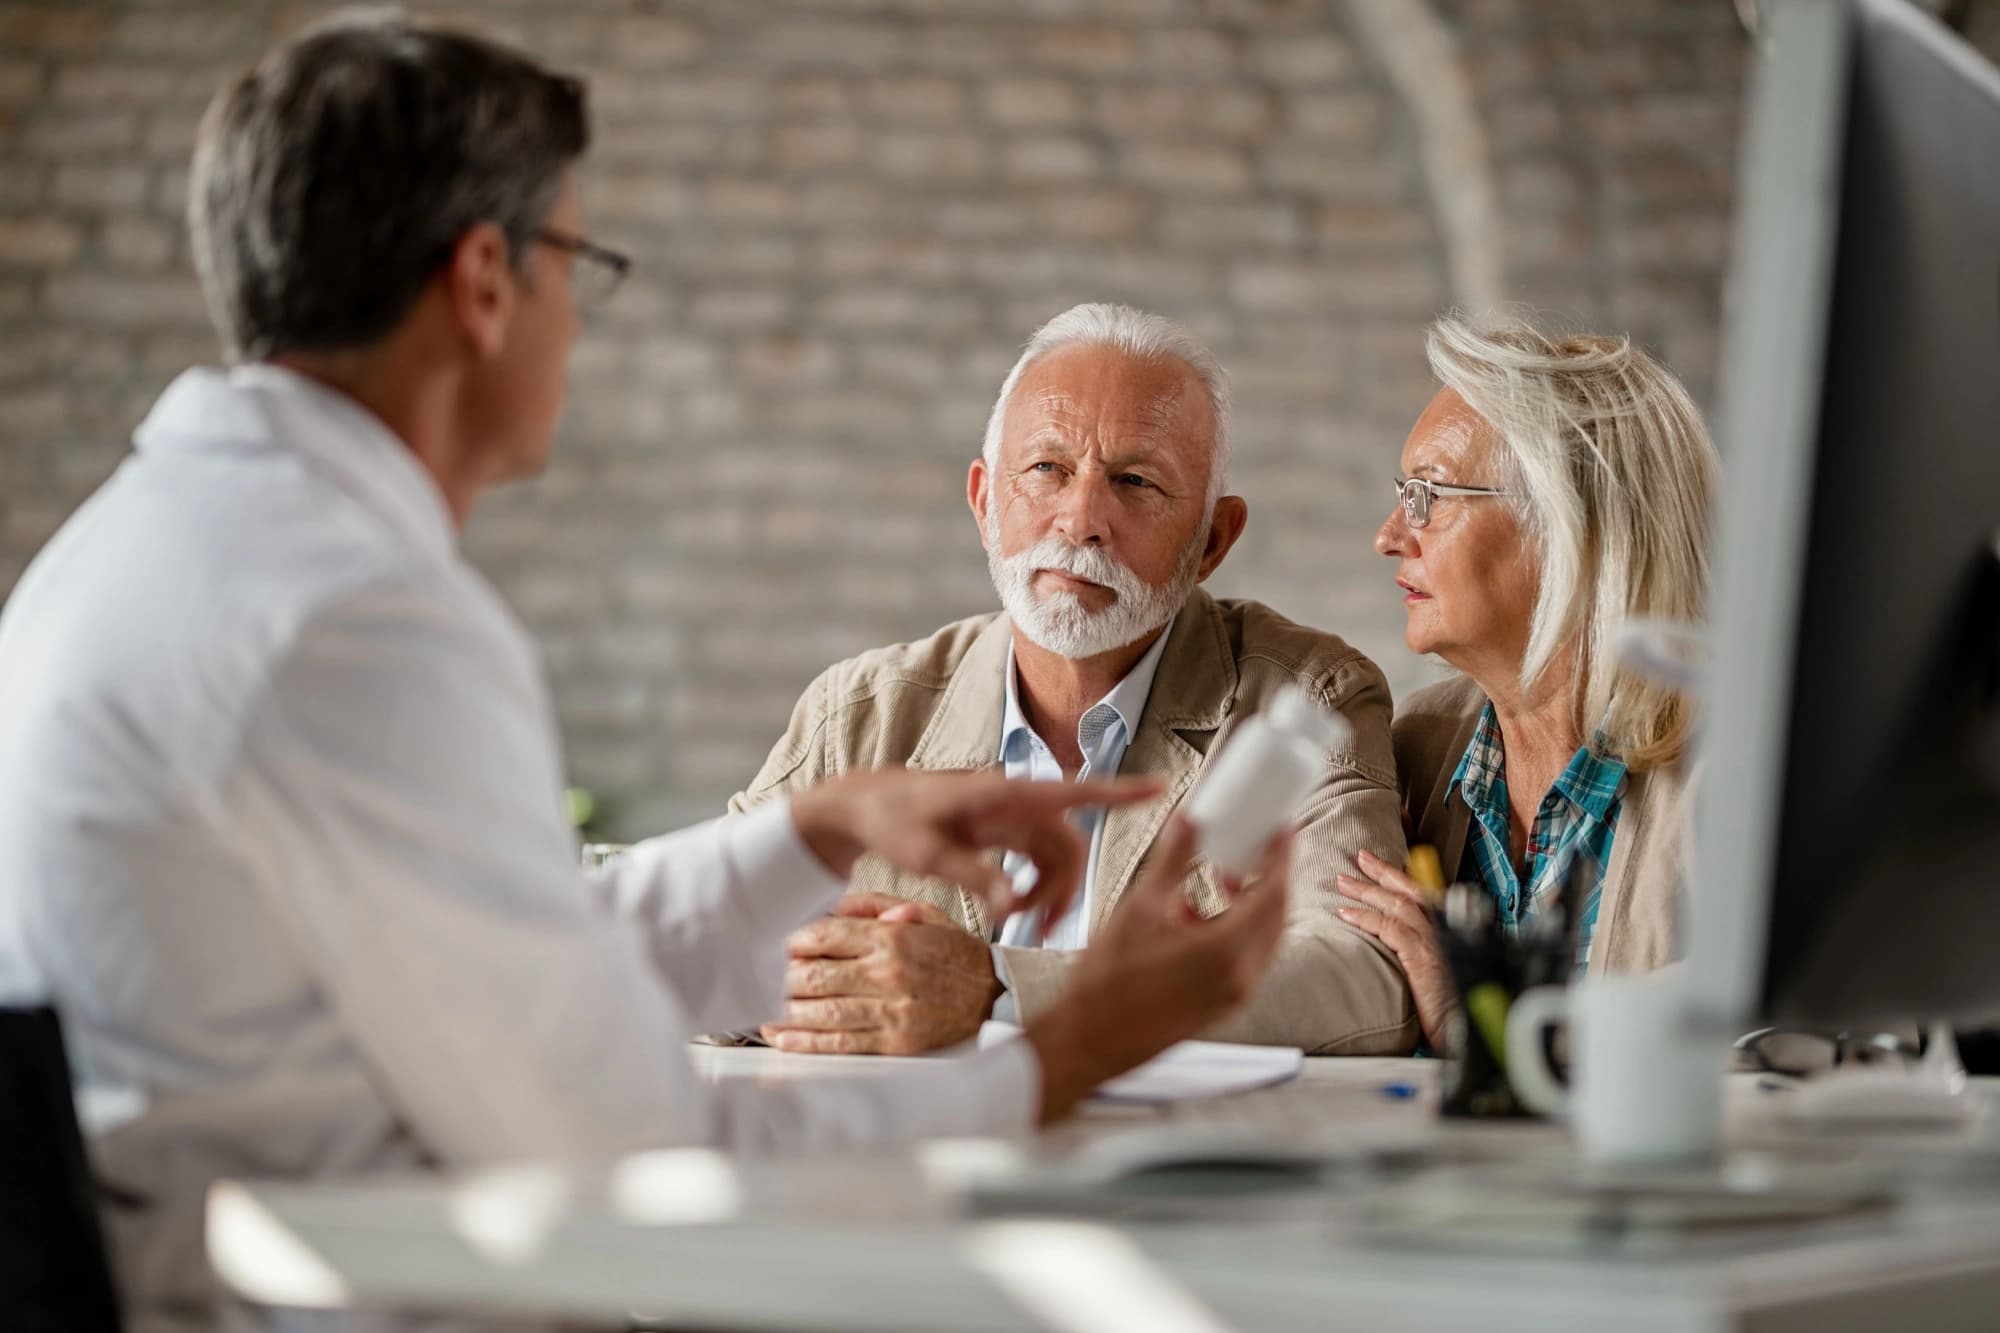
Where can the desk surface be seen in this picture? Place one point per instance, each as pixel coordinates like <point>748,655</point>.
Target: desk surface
<point>895,1242</point>
<point>1346,1091</point>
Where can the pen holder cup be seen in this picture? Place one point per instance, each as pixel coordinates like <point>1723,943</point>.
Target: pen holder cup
<point>1475,1066</point>
<point>1490,971</point>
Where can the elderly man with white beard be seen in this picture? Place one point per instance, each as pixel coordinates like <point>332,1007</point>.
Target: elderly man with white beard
<point>1100,499</point>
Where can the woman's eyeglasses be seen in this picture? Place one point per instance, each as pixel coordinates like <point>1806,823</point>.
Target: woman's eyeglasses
<point>599,271</point>
<point>1417,495</point>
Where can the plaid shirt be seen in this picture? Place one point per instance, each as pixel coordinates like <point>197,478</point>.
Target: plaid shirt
<point>1581,808</point>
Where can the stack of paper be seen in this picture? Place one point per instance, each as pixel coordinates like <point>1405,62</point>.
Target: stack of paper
<point>1188,1071</point>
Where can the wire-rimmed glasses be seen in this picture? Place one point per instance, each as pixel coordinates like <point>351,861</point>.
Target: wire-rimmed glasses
<point>1416,495</point>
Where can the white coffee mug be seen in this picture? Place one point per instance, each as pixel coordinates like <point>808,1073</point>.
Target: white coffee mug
<point>1644,1088</point>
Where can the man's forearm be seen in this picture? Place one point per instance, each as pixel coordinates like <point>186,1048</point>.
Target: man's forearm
<point>822,818</point>
<point>1327,996</point>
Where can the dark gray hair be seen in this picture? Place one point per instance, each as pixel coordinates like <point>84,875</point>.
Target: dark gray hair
<point>331,182</point>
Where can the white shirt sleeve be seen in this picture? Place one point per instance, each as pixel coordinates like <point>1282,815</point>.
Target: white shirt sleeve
<point>717,901</point>
<point>399,790</point>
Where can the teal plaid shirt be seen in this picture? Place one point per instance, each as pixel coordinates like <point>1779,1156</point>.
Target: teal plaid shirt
<point>1582,808</point>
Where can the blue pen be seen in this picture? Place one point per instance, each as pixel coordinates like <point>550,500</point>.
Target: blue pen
<point>1401,1092</point>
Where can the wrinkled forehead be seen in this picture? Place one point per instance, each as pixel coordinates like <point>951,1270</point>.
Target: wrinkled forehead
<point>1084,395</point>
<point>1452,443</point>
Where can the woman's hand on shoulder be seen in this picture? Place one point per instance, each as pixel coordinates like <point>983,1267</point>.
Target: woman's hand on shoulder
<point>1396,910</point>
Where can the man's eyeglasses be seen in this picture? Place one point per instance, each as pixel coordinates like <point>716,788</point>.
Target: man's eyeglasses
<point>1417,495</point>
<point>599,271</point>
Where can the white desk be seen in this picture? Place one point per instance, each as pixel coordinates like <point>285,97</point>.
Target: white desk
<point>874,1243</point>
<point>1344,1092</point>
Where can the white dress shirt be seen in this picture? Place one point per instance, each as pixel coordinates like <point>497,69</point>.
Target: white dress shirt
<point>1102,734</point>
<point>280,836</point>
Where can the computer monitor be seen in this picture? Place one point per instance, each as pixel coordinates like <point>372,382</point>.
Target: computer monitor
<point>1846,864</point>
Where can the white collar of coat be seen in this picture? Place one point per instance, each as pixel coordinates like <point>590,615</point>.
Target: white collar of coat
<point>207,411</point>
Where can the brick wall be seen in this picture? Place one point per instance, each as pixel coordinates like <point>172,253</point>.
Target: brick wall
<point>846,215</point>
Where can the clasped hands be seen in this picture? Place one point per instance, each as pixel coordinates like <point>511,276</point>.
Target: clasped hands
<point>883,975</point>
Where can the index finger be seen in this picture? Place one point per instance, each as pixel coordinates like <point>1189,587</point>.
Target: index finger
<point>1167,866</point>
<point>1058,855</point>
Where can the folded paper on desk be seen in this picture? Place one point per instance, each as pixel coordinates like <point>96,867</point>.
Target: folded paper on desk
<point>1188,1071</point>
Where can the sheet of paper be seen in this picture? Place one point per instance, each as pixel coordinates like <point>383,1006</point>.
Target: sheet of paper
<point>1188,1071</point>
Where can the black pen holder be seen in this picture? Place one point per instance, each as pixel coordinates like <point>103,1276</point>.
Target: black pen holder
<point>1490,969</point>
<point>1475,1084</point>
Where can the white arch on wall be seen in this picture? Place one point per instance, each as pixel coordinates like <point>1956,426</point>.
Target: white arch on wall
<point>1420,54</point>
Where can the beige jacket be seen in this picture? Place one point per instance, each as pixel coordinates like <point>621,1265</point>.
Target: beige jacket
<point>937,704</point>
<point>1638,917</point>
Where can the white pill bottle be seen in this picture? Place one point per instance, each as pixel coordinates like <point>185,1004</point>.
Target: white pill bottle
<point>1266,769</point>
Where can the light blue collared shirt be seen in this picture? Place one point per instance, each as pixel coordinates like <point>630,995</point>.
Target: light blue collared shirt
<point>1102,734</point>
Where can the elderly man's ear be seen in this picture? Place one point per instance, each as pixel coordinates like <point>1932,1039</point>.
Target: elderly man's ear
<point>978,493</point>
<point>1231,515</point>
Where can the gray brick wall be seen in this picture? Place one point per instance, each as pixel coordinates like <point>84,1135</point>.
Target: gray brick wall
<point>846,216</point>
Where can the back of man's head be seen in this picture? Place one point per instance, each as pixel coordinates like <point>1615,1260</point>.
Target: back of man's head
<point>331,182</point>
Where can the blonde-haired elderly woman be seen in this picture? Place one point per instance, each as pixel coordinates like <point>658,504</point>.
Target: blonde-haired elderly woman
<point>1555,488</point>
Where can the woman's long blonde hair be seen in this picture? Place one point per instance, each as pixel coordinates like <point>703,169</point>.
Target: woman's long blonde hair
<point>1612,473</point>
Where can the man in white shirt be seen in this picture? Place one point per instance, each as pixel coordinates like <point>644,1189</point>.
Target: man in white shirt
<point>1101,497</point>
<point>279,800</point>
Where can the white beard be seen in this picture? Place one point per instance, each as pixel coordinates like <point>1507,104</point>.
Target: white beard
<point>1059,621</point>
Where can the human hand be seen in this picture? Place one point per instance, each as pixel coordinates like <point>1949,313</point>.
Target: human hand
<point>943,824</point>
<point>883,976</point>
<point>1158,972</point>
<point>1396,910</point>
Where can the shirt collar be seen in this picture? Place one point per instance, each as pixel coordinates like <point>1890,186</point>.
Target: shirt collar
<point>1127,698</point>
<point>1480,778</point>
<point>1591,781</point>
<point>259,405</point>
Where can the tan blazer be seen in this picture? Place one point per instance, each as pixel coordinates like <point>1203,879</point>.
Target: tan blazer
<point>937,704</point>
<point>1638,918</point>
